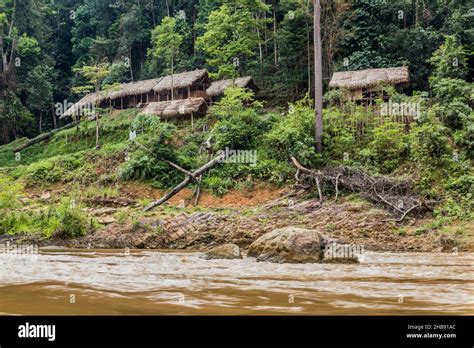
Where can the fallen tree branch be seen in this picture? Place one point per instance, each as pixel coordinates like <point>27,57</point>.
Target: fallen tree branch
<point>398,195</point>
<point>45,136</point>
<point>337,187</point>
<point>186,181</point>
<point>197,192</point>
<point>318,185</point>
<point>182,170</point>
<point>404,214</point>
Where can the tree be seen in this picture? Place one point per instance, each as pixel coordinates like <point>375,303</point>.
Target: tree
<point>318,77</point>
<point>166,41</point>
<point>449,60</point>
<point>231,36</point>
<point>295,34</point>
<point>95,75</point>
<point>40,90</point>
<point>133,34</point>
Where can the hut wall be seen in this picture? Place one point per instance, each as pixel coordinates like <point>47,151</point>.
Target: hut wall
<point>199,94</point>
<point>180,93</point>
<point>152,97</point>
<point>355,94</point>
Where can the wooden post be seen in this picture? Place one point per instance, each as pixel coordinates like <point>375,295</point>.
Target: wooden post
<point>121,103</point>
<point>318,77</point>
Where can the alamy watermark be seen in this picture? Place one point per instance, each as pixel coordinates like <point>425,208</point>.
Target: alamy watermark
<point>19,251</point>
<point>82,109</point>
<point>400,109</point>
<point>238,156</point>
<point>343,251</point>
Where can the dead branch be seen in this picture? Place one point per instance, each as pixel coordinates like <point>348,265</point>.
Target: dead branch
<point>186,181</point>
<point>397,195</point>
<point>404,214</point>
<point>337,187</point>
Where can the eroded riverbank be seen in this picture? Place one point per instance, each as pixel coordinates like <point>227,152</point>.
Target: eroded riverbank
<point>348,221</point>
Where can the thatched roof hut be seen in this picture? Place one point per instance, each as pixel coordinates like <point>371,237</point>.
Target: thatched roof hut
<point>133,88</point>
<point>87,103</point>
<point>181,80</point>
<point>176,108</point>
<point>218,88</point>
<point>369,78</point>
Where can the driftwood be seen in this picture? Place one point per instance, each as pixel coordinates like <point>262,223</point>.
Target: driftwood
<point>190,176</point>
<point>44,136</point>
<point>397,195</point>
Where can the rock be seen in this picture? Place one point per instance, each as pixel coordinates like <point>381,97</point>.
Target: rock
<point>226,251</point>
<point>289,244</point>
<point>107,220</point>
<point>103,211</point>
<point>45,196</point>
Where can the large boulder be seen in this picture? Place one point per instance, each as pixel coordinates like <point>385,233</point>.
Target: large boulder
<point>289,244</point>
<point>226,251</point>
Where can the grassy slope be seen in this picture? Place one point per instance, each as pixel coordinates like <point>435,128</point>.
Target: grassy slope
<point>70,154</point>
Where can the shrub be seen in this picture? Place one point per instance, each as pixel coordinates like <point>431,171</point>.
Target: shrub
<point>453,115</point>
<point>464,138</point>
<point>11,221</point>
<point>430,145</point>
<point>147,160</point>
<point>388,147</point>
<point>66,220</point>
<point>217,185</point>
<point>293,135</point>
<point>338,137</point>
<point>240,122</point>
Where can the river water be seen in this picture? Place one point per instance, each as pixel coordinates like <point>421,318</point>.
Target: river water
<point>93,282</point>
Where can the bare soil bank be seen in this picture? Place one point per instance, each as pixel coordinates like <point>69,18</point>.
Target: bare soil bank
<point>240,217</point>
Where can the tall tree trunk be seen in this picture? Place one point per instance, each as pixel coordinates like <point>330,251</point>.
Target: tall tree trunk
<point>41,122</point>
<point>172,78</point>
<point>416,13</point>
<point>308,44</point>
<point>97,124</point>
<point>194,30</point>
<point>275,43</point>
<point>53,116</point>
<point>130,64</point>
<point>260,48</point>
<point>318,77</point>
<point>153,12</point>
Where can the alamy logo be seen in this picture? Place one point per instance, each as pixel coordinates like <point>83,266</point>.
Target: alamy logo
<point>37,331</point>
<point>400,109</point>
<point>238,156</point>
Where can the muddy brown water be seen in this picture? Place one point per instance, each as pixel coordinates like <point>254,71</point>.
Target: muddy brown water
<point>114,282</point>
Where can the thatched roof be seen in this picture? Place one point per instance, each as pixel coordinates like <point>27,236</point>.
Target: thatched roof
<point>217,88</point>
<point>369,78</point>
<point>86,103</point>
<point>174,108</point>
<point>181,80</point>
<point>133,88</point>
